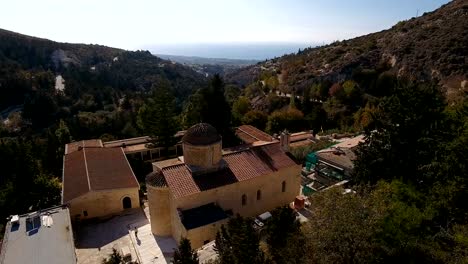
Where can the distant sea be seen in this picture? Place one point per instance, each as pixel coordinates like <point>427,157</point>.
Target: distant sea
<point>243,51</point>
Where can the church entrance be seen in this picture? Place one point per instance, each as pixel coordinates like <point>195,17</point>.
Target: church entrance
<point>127,203</point>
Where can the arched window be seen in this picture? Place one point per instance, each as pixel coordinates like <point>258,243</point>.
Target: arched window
<point>244,199</point>
<point>259,195</point>
<point>283,186</point>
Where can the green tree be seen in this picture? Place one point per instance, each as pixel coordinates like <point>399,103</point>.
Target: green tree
<point>40,108</point>
<point>284,237</point>
<point>157,117</point>
<point>218,112</point>
<point>239,243</point>
<point>320,90</point>
<point>291,119</point>
<point>209,105</point>
<point>408,129</point>
<point>231,92</point>
<point>185,254</point>
<point>255,118</point>
<point>193,110</point>
<point>240,107</point>
<point>24,187</point>
<point>306,101</point>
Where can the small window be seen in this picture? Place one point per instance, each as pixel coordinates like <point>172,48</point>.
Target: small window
<point>244,199</point>
<point>85,213</point>
<point>259,195</point>
<point>283,186</point>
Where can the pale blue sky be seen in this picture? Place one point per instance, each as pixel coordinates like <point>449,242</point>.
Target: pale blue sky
<point>141,23</point>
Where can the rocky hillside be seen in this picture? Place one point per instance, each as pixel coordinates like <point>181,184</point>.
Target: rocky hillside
<point>84,67</point>
<point>430,47</point>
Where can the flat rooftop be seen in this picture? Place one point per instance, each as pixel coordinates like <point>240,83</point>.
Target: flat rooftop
<point>44,236</point>
<point>202,215</point>
<point>127,142</point>
<point>350,142</point>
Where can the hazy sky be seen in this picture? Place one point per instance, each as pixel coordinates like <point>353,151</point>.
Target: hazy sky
<point>141,23</point>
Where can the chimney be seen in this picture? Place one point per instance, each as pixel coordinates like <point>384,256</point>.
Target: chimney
<point>285,139</point>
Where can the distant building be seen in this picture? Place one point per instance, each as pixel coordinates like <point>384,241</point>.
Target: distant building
<point>340,157</point>
<point>42,237</point>
<point>97,181</point>
<point>140,148</point>
<point>193,195</point>
<point>330,166</point>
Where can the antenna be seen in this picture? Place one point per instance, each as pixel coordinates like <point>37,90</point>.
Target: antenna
<point>417,12</point>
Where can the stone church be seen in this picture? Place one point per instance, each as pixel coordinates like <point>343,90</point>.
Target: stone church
<point>193,195</point>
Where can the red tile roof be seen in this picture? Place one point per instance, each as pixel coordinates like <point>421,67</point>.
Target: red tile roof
<point>250,134</point>
<point>90,143</point>
<point>96,169</point>
<point>301,136</point>
<point>240,166</point>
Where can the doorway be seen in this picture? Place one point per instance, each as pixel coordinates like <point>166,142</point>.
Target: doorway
<point>127,203</point>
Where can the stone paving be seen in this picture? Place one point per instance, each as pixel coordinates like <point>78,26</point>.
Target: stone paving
<point>96,240</point>
<point>150,248</point>
<point>207,252</point>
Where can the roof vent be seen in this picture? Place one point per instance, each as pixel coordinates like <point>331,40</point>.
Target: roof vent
<point>47,220</point>
<point>14,219</point>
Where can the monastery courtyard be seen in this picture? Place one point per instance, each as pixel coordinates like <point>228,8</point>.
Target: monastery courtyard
<point>96,240</point>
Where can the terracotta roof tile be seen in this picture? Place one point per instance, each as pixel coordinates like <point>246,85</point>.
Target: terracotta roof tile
<point>243,165</point>
<point>75,181</point>
<point>250,134</point>
<point>90,143</point>
<point>301,136</point>
<point>96,169</point>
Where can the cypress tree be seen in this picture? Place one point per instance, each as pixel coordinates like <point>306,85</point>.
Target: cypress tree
<point>185,254</point>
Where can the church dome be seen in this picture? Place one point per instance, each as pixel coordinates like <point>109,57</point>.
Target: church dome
<point>201,134</point>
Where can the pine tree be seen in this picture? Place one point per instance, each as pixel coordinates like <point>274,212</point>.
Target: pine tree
<point>284,237</point>
<point>184,253</point>
<point>239,243</point>
<point>223,246</point>
<point>157,117</point>
<point>403,139</point>
<point>218,112</point>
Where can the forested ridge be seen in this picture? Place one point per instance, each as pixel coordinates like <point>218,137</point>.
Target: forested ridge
<point>429,47</point>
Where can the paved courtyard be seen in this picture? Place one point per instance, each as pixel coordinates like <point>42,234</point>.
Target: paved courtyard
<point>96,240</point>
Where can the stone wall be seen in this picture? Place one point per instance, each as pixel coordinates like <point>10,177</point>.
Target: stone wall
<point>202,156</point>
<point>102,203</point>
<point>229,197</point>
<point>159,209</point>
<point>198,236</point>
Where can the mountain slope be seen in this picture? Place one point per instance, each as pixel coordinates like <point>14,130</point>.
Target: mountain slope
<point>433,46</point>
<point>85,67</point>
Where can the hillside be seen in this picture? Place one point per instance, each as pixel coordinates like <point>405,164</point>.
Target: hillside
<point>429,47</point>
<point>84,67</point>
